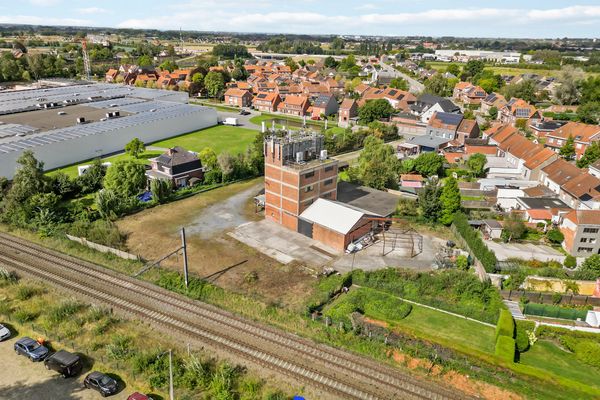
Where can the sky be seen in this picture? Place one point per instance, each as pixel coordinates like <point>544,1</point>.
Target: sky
<point>492,18</point>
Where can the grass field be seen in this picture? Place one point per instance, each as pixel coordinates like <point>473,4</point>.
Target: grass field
<point>220,138</point>
<point>503,70</point>
<point>71,170</point>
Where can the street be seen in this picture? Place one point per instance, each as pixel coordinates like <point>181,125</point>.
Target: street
<point>415,86</point>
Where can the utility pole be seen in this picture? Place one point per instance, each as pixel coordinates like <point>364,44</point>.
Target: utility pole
<point>171,394</point>
<point>185,261</point>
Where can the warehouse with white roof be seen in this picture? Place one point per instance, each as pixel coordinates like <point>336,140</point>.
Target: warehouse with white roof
<point>68,124</point>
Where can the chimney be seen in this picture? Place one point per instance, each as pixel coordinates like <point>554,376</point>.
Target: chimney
<point>171,151</point>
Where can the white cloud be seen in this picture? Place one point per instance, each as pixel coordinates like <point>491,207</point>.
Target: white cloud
<point>45,3</point>
<point>215,15</point>
<point>367,6</point>
<point>92,10</point>
<point>35,20</point>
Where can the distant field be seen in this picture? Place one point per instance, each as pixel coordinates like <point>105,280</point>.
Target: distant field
<point>220,138</point>
<point>504,70</point>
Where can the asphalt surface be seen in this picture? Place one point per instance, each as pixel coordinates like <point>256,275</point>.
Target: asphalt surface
<point>415,86</point>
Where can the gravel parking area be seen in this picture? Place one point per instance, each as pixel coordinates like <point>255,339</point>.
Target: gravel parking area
<point>21,379</point>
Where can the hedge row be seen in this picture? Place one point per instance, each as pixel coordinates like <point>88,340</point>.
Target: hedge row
<point>505,325</point>
<point>476,244</point>
<point>505,348</point>
<point>550,311</point>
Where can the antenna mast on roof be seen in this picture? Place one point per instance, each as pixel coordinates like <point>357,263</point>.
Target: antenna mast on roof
<point>180,40</point>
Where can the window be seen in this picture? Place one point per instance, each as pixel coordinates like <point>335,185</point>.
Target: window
<point>328,182</point>
<point>329,168</point>
<point>592,240</point>
<point>584,249</point>
<point>309,174</point>
<point>309,188</point>
<point>590,230</point>
<point>583,240</point>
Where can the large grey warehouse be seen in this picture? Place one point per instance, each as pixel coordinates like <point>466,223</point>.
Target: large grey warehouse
<point>68,124</point>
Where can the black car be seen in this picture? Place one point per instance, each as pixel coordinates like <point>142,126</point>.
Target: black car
<point>101,383</point>
<point>65,363</point>
<point>30,348</point>
<point>244,112</point>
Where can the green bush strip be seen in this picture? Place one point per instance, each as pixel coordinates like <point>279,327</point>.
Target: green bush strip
<point>475,243</point>
<point>551,311</point>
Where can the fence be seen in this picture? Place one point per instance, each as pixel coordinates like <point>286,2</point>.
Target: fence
<point>103,249</point>
<point>550,311</point>
<point>479,268</point>
<point>550,298</point>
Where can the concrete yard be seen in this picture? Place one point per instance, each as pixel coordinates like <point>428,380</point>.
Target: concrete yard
<point>525,251</point>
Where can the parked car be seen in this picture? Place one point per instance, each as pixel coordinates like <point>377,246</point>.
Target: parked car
<point>30,348</point>
<point>138,396</point>
<point>244,112</point>
<point>63,362</point>
<point>103,384</point>
<point>4,333</point>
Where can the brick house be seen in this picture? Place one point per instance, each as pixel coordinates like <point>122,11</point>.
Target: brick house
<point>324,105</point>
<point>266,102</point>
<point>294,105</point>
<point>177,165</point>
<point>348,110</point>
<point>583,135</point>
<point>468,93</point>
<point>492,100</point>
<point>238,97</point>
<point>518,109</point>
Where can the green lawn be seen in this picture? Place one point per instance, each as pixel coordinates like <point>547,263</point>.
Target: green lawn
<point>504,70</point>
<point>220,138</point>
<point>71,170</point>
<point>547,356</point>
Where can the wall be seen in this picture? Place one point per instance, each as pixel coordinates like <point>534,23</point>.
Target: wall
<point>55,155</point>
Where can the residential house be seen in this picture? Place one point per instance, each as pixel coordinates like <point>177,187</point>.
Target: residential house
<point>582,192</point>
<point>492,100</point>
<point>426,105</point>
<point>518,109</point>
<point>180,167</point>
<point>111,75</point>
<point>399,99</point>
<point>583,135</point>
<point>266,102</point>
<point>594,169</point>
<point>557,173</point>
<point>347,111</point>
<point>581,229</point>
<point>294,105</point>
<point>452,126</point>
<point>324,105</point>
<point>467,93</point>
<point>314,89</point>
<point>542,128</point>
<point>412,180</point>
<point>238,97</point>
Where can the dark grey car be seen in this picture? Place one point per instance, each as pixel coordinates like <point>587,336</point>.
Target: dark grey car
<point>101,383</point>
<point>30,348</point>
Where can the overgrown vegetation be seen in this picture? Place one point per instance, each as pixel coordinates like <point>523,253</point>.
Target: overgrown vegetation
<point>475,243</point>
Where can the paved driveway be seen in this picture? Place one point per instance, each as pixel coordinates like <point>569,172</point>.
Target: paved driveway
<point>526,251</point>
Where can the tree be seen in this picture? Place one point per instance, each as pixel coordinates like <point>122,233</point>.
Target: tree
<point>214,83</point>
<point>375,110</point>
<point>145,61</point>
<point>377,165</point>
<point>438,85</point>
<point>514,228</point>
<point>591,155</point>
<point>476,164</point>
<point>473,67</point>
<point>469,114</point>
<point>567,92</point>
<point>108,204</point>
<point>567,151</point>
<point>231,51</point>
<point>29,179</point>
<point>161,189</point>
<point>330,62</point>
<point>454,69</point>
<point>450,201</point>
<point>227,165</point>
<point>590,268</point>
<point>590,90</point>
<point>135,147</point>
<point>570,262</point>
<point>208,157</point>
<point>168,65</point>
<point>125,178</point>
<point>289,61</point>
<point>429,164</point>
<point>525,90</point>
<point>493,112</point>
<point>589,113</point>
<point>93,177</point>
<point>555,236</point>
<point>429,201</point>
<point>399,83</point>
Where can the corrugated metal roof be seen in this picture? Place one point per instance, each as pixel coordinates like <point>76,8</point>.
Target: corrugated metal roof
<point>332,215</point>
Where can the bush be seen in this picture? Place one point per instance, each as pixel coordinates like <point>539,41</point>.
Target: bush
<point>522,341</point>
<point>63,311</point>
<point>555,236</point>
<point>505,348</point>
<point>570,262</point>
<point>505,325</point>
<point>476,244</point>
<point>119,348</point>
<point>26,292</point>
<point>7,277</point>
<point>22,316</point>
<point>588,352</point>
<point>550,311</point>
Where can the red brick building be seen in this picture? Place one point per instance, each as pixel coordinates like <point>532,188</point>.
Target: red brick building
<point>238,97</point>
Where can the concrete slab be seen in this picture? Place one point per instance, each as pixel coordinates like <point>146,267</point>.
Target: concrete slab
<point>526,251</point>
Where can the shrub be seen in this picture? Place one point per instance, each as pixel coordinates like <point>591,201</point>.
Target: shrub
<point>570,262</point>
<point>588,352</point>
<point>522,341</point>
<point>22,316</point>
<point>26,292</point>
<point>462,262</point>
<point>555,236</point>
<point>550,311</point>
<point>119,348</point>
<point>473,239</point>
<point>505,325</point>
<point>7,277</point>
<point>63,311</point>
<point>505,348</point>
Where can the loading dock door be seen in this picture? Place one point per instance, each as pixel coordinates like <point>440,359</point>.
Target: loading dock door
<point>305,227</point>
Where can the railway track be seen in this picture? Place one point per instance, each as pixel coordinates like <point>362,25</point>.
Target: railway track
<point>343,374</point>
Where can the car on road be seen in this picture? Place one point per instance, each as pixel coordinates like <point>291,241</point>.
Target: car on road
<point>102,383</point>
<point>4,333</point>
<point>138,396</point>
<point>65,363</point>
<point>245,112</point>
<point>30,348</point>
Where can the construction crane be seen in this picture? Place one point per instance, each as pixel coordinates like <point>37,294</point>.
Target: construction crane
<point>86,60</point>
